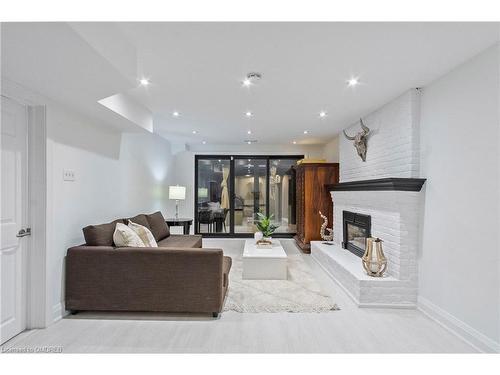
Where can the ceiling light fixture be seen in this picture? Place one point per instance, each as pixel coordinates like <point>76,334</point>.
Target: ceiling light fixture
<point>248,114</point>
<point>353,81</point>
<point>294,142</point>
<point>250,141</point>
<point>176,114</point>
<point>306,131</point>
<point>322,114</point>
<point>194,132</point>
<point>251,78</point>
<point>144,81</point>
<point>204,142</point>
<point>249,132</point>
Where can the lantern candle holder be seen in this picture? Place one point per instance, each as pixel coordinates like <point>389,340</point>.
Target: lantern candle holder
<point>374,260</point>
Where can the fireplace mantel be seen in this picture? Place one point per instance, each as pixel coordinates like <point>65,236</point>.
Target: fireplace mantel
<point>394,184</point>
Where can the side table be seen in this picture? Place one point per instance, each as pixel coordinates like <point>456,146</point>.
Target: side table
<point>185,223</point>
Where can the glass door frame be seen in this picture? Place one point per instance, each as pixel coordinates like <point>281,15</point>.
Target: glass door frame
<point>231,157</point>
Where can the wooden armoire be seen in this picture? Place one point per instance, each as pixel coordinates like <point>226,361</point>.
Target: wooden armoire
<point>312,197</point>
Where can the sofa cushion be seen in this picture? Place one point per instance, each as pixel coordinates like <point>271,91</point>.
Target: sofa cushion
<point>100,235</point>
<point>139,219</point>
<point>124,236</point>
<point>144,234</point>
<point>158,226</point>
<point>181,241</point>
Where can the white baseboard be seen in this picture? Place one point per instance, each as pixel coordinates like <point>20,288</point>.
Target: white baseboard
<point>407,306</point>
<point>58,312</point>
<point>470,335</point>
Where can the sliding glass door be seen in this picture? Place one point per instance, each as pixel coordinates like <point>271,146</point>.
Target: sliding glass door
<point>231,190</point>
<point>212,194</point>
<point>250,192</point>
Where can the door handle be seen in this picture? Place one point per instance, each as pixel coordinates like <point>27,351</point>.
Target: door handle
<point>24,232</point>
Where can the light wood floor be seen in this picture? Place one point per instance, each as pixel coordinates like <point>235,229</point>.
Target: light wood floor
<point>350,330</point>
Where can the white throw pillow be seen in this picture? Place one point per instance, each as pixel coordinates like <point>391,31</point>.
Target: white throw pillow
<point>126,237</point>
<point>144,234</point>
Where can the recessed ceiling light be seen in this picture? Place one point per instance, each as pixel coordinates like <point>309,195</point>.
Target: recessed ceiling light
<point>353,81</point>
<point>249,132</point>
<point>176,114</point>
<point>306,131</point>
<point>294,142</point>
<point>251,78</point>
<point>248,114</point>
<point>322,114</point>
<point>144,81</point>
<point>204,142</point>
<point>194,132</point>
<point>249,142</point>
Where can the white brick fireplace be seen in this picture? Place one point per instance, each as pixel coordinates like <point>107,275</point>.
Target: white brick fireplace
<point>393,152</point>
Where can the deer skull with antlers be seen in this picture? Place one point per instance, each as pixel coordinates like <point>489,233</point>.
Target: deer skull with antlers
<point>360,140</point>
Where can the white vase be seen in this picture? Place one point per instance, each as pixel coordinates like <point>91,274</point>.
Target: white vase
<point>258,236</point>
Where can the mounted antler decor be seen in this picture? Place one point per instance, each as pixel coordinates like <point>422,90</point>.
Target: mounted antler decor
<point>360,140</point>
<point>324,236</point>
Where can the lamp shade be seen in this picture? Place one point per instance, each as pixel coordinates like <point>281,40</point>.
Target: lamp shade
<point>202,193</point>
<point>177,192</point>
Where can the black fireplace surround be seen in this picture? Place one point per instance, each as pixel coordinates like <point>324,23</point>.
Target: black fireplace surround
<point>357,227</point>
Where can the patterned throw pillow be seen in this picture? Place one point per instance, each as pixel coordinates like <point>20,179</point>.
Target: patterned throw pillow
<point>126,237</point>
<point>144,234</point>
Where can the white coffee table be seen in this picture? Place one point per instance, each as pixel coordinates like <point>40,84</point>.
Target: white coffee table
<point>264,264</point>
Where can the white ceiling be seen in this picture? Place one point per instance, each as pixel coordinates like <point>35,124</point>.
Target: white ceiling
<point>196,69</point>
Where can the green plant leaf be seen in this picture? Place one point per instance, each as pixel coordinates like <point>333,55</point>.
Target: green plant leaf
<point>265,225</point>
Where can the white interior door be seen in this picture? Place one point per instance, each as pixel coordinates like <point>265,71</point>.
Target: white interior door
<point>13,215</point>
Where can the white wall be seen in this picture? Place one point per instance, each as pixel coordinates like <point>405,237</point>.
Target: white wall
<point>459,260</point>
<point>184,176</point>
<point>128,108</point>
<point>308,150</point>
<point>393,143</point>
<point>117,175</point>
<point>331,150</point>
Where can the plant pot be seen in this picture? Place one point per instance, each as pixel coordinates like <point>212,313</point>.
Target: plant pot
<point>258,236</point>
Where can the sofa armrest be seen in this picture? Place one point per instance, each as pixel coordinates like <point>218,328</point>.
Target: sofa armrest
<point>144,279</point>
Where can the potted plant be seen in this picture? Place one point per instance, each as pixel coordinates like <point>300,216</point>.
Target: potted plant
<point>266,227</point>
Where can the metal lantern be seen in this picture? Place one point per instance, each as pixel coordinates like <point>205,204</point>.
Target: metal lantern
<point>374,260</point>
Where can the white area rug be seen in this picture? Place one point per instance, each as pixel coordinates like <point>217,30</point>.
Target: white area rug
<point>300,293</point>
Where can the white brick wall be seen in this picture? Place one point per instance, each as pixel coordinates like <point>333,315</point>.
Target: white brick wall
<point>393,145</point>
<point>393,151</point>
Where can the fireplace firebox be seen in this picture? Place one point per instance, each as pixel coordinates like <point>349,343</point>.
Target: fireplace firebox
<point>357,228</point>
